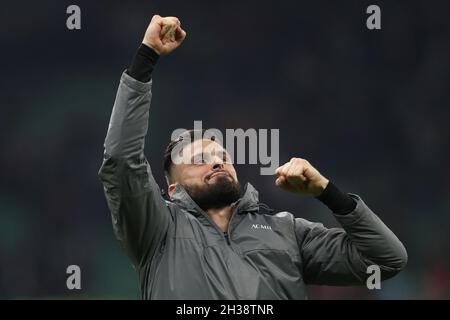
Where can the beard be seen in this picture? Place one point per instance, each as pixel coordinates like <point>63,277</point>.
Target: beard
<point>220,194</point>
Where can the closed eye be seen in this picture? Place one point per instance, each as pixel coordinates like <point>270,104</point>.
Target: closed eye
<point>198,159</point>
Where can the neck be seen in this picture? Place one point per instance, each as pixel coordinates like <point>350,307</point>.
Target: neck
<point>221,216</point>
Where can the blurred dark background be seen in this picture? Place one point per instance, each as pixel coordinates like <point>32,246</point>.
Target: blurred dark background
<point>370,109</point>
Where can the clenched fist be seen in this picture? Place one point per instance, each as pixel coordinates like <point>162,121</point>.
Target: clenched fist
<point>299,176</point>
<point>164,34</point>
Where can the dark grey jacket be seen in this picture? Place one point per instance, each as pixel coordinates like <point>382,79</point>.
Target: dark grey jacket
<point>180,253</point>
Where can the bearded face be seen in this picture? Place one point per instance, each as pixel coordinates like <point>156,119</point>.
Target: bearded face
<point>207,175</point>
<point>219,191</point>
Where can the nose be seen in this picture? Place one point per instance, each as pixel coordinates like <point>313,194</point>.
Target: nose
<point>217,162</point>
<point>217,166</point>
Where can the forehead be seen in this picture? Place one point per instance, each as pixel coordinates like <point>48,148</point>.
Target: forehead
<point>203,146</point>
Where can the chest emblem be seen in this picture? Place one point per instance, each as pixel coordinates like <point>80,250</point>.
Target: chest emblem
<point>261,226</point>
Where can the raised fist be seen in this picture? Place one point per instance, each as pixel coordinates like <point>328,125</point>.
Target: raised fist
<point>300,177</point>
<point>164,34</point>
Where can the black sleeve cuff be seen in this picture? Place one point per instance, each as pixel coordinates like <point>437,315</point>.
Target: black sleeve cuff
<point>143,63</point>
<point>338,202</point>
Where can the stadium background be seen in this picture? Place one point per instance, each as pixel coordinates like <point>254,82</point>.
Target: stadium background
<point>370,109</point>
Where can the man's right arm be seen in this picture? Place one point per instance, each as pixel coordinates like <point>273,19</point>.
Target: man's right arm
<point>139,213</point>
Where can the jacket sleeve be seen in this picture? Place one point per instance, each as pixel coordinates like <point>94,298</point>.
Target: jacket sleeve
<point>140,215</point>
<point>340,256</point>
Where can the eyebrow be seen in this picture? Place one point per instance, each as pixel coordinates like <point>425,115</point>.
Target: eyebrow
<point>223,151</point>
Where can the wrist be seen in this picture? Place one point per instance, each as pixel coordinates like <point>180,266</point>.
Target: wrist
<point>151,47</point>
<point>321,186</point>
<point>336,200</point>
<point>143,63</point>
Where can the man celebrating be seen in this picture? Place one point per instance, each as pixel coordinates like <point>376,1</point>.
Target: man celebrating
<point>212,240</point>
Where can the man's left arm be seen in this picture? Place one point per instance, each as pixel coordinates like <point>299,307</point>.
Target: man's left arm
<point>340,256</point>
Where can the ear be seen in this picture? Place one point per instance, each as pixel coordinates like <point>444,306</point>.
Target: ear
<point>171,188</point>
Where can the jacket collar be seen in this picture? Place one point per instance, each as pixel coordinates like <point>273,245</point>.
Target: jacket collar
<point>248,202</point>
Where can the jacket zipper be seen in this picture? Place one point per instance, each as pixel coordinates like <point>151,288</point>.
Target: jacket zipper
<point>226,233</point>
<point>227,238</point>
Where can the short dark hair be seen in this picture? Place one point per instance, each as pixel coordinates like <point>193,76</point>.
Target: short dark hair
<point>187,136</point>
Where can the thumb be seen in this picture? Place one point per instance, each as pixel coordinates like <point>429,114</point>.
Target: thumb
<point>309,174</point>
<point>280,181</point>
<point>180,34</point>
